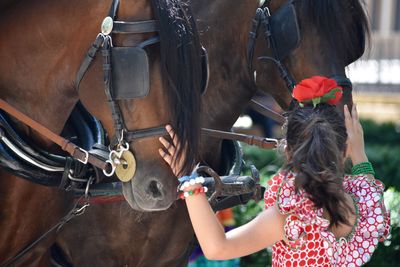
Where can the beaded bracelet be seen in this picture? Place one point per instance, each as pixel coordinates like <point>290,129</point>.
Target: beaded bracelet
<point>187,181</point>
<point>196,191</point>
<point>363,168</point>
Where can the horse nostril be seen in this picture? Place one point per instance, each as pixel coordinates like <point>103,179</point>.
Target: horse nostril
<point>154,189</point>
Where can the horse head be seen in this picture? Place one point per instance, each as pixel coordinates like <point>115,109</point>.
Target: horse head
<point>171,59</point>
<point>309,38</point>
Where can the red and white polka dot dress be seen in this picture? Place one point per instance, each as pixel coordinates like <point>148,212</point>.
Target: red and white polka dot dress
<point>309,241</point>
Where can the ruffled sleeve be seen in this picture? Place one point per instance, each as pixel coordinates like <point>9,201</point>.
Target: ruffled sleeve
<point>272,189</point>
<point>373,223</point>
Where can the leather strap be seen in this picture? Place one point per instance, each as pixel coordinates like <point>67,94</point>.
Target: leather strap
<point>113,9</point>
<point>267,112</point>
<point>66,145</point>
<point>262,142</point>
<point>148,132</point>
<point>135,27</point>
<point>77,210</point>
<point>90,55</point>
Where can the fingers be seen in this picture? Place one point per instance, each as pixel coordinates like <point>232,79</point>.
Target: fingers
<point>354,113</point>
<point>168,146</point>
<point>172,134</point>
<point>165,156</point>
<point>347,117</point>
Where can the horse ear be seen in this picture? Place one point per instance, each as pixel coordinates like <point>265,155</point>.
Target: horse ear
<point>359,47</point>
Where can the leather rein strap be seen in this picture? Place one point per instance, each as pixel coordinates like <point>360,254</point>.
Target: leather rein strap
<point>266,143</point>
<point>75,151</point>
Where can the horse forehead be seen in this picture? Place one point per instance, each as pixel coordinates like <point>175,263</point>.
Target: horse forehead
<point>135,10</point>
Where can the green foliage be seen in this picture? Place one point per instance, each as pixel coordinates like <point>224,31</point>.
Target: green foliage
<point>386,133</point>
<point>383,150</point>
<point>386,162</point>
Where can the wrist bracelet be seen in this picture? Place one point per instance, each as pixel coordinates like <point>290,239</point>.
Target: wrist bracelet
<point>363,168</point>
<point>196,191</point>
<point>186,182</point>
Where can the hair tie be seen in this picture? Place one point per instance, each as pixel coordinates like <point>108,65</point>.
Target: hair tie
<point>316,90</point>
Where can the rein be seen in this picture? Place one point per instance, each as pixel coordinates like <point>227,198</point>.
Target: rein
<point>75,151</point>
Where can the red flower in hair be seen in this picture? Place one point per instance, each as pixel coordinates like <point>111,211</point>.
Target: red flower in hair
<point>317,89</point>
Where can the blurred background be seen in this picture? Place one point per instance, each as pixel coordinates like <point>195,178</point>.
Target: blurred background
<point>376,79</point>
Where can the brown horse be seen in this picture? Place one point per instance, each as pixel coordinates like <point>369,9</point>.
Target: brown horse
<point>135,238</point>
<point>41,52</point>
<point>317,52</point>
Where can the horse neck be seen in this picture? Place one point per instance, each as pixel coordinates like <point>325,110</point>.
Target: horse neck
<point>224,33</point>
<point>41,55</point>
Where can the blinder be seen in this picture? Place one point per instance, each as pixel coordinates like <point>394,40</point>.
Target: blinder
<point>130,71</point>
<point>285,30</point>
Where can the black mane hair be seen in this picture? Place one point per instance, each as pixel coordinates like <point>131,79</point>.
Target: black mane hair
<point>339,22</point>
<point>181,72</point>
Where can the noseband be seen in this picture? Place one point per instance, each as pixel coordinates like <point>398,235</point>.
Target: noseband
<point>282,33</point>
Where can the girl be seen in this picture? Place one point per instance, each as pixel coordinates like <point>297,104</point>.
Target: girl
<point>314,215</point>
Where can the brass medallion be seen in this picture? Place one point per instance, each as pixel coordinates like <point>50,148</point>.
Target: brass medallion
<point>127,168</point>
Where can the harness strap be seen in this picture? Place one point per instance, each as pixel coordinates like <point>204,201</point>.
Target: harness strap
<point>113,9</point>
<point>266,143</point>
<point>149,132</point>
<point>135,27</point>
<point>66,145</point>
<point>115,111</point>
<point>265,21</point>
<point>252,38</point>
<point>265,111</point>
<point>74,212</point>
<point>90,55</point>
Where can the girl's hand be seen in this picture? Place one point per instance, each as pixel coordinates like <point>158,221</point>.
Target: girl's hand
<point>169,151</point>
<point>355,136</point>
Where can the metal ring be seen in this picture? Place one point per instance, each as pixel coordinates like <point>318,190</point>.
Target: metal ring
<point>76,179</point>
<point>113,167</point>
<point>89,182</point>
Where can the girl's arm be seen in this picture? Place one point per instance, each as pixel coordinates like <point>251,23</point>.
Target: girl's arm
<point>261,232</point>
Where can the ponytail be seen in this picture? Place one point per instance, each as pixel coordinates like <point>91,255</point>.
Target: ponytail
<point>316,140</point>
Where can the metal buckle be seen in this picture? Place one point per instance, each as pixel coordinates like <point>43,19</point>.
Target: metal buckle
<point>85,161</point>
<point>272,140</point>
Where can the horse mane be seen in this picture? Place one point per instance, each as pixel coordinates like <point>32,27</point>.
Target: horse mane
<point>181,72</point>
<point>329,17</point>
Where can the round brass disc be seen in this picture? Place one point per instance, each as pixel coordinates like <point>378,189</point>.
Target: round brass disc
<point>126,170</point>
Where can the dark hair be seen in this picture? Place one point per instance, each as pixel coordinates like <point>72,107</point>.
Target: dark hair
<point>181,72</point>
<point>316,141</point>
